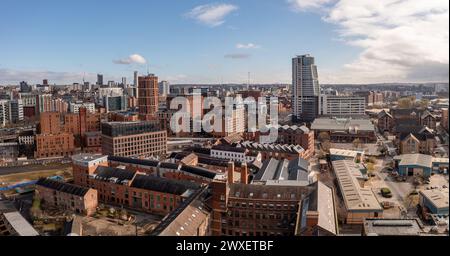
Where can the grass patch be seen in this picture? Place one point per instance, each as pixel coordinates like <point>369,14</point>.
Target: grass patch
<point>19,177</point>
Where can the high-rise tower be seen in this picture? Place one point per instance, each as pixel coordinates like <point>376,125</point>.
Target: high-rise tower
<point>148,97</point>
<point>305,88</point>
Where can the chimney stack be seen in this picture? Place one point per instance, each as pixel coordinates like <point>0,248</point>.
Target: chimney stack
<point>244,173</point>
<point>230,172</point>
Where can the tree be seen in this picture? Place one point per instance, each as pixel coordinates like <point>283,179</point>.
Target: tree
<point>406,102</point>
<point>423,103</point>
<point>326,145</point>
<point>356,143</point>
<point>324,136</point>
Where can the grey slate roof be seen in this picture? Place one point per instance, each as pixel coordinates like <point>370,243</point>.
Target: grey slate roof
<point>110,174</point>
<point>163,185</point>
<point>62,187</point>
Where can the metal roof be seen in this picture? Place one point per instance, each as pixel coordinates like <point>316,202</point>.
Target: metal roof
<point>19,224</point>
<point>355,197</point>
<point>438,197</point>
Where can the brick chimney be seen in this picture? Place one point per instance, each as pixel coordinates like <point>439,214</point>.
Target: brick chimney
<point>244,173</point>
<point>230,170</point>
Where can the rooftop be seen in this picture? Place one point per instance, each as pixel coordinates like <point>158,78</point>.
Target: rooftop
<point>438,197</point>
<point>62,187</point>
<point>87,158</point>
<point>114,175</point>
<point>345,152</point>
<point>392,227</point>
<point>284,170</point>
<point>355,197</point>
<point>158,184</point>
<point>415,159</point>
<point>19,224</point>
<point>272,147</point>
<point>342,124</point>
<point>188,221</point>
<point>253,191</point>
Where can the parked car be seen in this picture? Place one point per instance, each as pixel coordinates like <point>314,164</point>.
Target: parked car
<point>386,192</point>
<point>387,205</point>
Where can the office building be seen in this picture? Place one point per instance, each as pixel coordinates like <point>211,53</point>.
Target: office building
<point>24,87</point>
<point>115,103</point>
<point>305,88</point>
<point>341,106</point>
<point>99,79</point>
<point>135,81</point>
<point>133,139</point>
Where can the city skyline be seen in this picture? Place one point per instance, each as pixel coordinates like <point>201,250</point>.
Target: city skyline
<point>209,42</point>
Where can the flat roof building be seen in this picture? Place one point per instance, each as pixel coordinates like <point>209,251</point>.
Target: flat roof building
<point>283,172</point>
<point>133,139</point>
<point>345,129</point>
<point>435,201</point>
<point>392,227</point>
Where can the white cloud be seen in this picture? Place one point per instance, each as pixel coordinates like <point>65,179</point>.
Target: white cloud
<point>132,59</point>
<point>212,15</point>
<point>247,46</point>
<point>401,40</point>
<point>304,5</point>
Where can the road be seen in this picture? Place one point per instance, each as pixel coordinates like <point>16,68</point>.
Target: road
<point>30,168</point>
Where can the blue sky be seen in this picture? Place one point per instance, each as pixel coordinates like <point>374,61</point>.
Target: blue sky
<point>182,41</point>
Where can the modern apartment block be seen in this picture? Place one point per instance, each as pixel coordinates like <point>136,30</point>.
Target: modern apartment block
<point>148,97</point>
<point>11,111</point>
<point>305,88</point>
<point>341,106</point>
<point>133,139</point>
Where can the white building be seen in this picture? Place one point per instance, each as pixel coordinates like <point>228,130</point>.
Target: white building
<point>26,140</point>
<point>11,111</point>
<point>341,106</point>
<point>75,107</point>
<point>164,88</point>
<point>28,99</point>
<point>235,154</point>
<point>4,112</point>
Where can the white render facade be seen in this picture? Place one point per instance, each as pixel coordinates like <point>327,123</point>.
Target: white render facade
<point>341,106</point>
